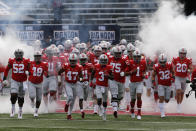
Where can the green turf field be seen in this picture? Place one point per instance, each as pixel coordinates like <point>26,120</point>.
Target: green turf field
<point>53,122</point>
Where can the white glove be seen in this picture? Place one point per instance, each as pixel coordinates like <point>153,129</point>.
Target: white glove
<point>25,85</point>
<point>81,79</point>
<point>26,72</point>
<point>59,78</point>
<point>5,83</point>
<point>122,74</point>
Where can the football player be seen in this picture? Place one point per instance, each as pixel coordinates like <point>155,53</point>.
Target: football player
<point>83,86</point>
<point>102,72</point>
<point>19,66</point>
<point>36,71</point>
<point>73,74</point>
<point>182,65</point>
<point>117,85</point>
<point>136,70</point>
<point>164,72</point>
<point>50,82</point>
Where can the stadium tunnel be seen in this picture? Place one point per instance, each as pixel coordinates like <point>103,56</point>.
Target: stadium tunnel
<point>189,6</point>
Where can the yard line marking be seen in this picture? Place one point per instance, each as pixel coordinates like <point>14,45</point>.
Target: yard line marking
<point>44,119</point>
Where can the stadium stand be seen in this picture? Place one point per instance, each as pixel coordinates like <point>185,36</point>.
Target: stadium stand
<point>126,13</point>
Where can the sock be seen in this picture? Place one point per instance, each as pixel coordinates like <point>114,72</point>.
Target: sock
<point>115,106</point>
<point>36,110</point>
<point>132,106</point>
<point>20,109</point>
<point>139,106</point>
<point>127,98</point>
<point>161,107</point>
<point>13,106</point>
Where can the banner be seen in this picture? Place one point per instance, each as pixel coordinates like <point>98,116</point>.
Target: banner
<point>87,33</point>
<point>30,35</point>
<point>67,34</point>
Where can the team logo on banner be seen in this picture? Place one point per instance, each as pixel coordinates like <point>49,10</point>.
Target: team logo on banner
<point>30,35</point>
<point>66,34</point>
<point>102,35</point>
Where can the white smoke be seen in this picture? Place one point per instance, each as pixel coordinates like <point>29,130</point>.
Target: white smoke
<point>169,30</point>
<point>9,44</point>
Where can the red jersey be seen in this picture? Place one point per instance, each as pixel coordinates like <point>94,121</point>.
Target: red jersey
<point>72,73</point>
<point>119,66</point>
<point>86,71</point>
<point>36,72</point>
<point>44,57</point>
<point>53,66</point>
<point>164,74</point>
<point>127,59</point>
<point>181,66</point>
<point>18,69</point>
<point>140,69</point>
<point>2,68</point>
<point>100,72</point>
<point>93,59</point>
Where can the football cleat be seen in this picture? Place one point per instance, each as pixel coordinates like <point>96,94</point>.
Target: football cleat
<point>69,117</point>
<point>66,108</point>
<point>83,114</point>
<point>162,115</point>
<point>12,113</point>
<point>139,117</point>
<point>115,114</point>
<point>104,116</point>
<point>20,115</point>
<point>36,113</point>
<point>132,115</point>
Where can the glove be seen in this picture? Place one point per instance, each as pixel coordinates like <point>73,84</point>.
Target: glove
<point>92,85</point>
<point>122,74</point>
<point>5,83</point>
<point>26,72</point>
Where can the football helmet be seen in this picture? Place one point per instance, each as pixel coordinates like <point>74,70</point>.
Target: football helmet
<point>108,44</point>
<point>97,51</point>
<point>182,53</point>
<point>83,47</point>
<point>37,56</point>
<point>123,42</point>
<point>61,48</point>
<point>76,51</point>
<point>68,45</point>
<point>18,54</point>
<point>49,51</point>
<point>56,51</point>
<point>78,45</point>
<point>104,46</point>
<point>103,59</point>
<point>117,52</point>
<point>162,59</point>
<point>137,56</point>
<point>83,58</point>
<point>73,59</point>
<point>76,40</point>
<point>123,48</point>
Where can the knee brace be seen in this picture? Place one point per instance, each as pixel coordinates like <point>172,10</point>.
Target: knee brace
<point>13,98</point>
<point>105,104</point>
<point>99,101</point>
<point>20,101</point>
